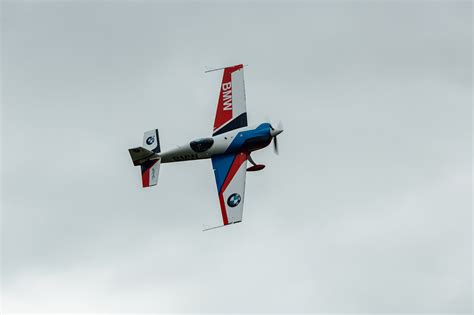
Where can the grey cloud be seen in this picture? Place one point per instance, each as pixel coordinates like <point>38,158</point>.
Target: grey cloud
<point>366,209</point>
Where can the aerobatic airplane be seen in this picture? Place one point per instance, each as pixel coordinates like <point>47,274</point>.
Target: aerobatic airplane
<point>229,148</point>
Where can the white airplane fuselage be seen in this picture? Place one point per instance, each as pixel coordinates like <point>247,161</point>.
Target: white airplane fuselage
<point>245,139</point>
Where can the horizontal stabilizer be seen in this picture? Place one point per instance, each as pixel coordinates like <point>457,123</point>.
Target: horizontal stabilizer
<point>140,155</point>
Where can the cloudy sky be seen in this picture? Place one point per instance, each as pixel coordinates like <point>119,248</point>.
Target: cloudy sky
<point>366,209</point>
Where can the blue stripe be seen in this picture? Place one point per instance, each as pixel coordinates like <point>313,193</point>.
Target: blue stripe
<point>221,165</point>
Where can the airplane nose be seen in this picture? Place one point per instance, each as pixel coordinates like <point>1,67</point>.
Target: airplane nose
<point>275,132</point>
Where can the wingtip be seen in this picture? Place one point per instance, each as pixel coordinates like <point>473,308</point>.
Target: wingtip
<point>238,66</point>
<point>219,226</point>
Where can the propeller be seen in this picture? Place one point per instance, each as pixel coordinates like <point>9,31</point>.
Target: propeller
<point>274,133</point>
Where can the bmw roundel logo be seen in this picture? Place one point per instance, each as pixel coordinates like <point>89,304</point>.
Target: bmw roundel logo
<point>233,200</point>
<point>150,140</point>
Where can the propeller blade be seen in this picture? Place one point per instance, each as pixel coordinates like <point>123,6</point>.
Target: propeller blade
<point>275,145</point>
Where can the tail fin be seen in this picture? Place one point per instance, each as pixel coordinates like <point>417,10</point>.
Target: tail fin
<point>151,141</point>
<point>147,157</point>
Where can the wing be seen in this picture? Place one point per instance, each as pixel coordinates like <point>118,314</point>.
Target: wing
<point>231,109</point>
<point>230,171</point>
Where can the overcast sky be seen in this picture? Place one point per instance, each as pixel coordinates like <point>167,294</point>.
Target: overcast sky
<point>366,209</point>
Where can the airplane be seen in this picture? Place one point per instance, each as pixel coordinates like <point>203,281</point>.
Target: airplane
<point>229,148</point>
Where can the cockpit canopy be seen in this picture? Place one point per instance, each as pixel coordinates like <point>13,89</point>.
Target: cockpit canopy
<point>201,145</point>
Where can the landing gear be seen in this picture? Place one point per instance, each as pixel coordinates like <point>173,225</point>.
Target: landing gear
<point>255,167</point>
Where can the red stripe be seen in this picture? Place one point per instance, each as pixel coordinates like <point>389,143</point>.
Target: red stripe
<point>224,213</point>
<point>146,178</point>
